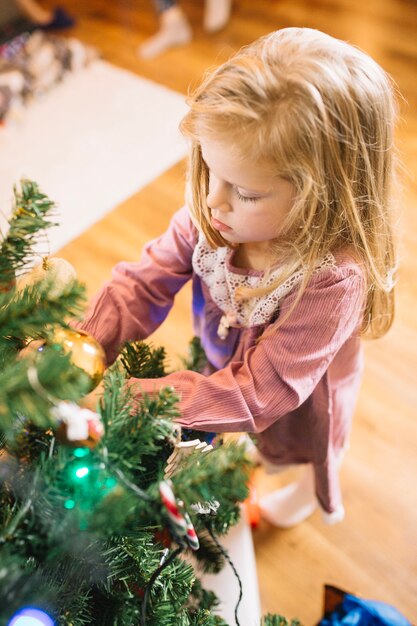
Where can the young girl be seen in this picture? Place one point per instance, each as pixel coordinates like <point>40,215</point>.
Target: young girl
<point>286,237</point>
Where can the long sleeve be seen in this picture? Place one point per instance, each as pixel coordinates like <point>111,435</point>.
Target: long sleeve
<point>277,374</point>
<point>140,295</point>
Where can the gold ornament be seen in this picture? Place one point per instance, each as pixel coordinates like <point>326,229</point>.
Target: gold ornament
<point>86,352</point>
<point>53,269</point>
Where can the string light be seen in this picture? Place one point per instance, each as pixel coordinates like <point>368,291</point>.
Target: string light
<point>87,481</point>
<point>31,617</point>
<point>81,452</point>
<point>79,469</point>
<point>81,472</point>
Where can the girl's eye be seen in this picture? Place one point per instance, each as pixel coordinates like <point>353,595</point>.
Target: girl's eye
<point>245,198</point>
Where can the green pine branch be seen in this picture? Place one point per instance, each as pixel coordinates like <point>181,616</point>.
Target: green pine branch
<point>29,312</point>
<point>196,360</point>
<point>279,620</point>
<point>139,435</point>
<point>29,217</point>
<point>20,396</point>
<point>197,480</point>
<point>141,360</point>
<point>210,558</point>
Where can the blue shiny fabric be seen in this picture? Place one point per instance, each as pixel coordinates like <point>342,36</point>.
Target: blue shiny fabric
<point>357,612</point>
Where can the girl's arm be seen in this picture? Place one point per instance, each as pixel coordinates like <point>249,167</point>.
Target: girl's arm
<point>281,371</point>
<point>139,296</point>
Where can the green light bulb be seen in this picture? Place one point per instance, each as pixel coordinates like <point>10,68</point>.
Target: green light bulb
<point>81,472</point>
<point>81,452</point>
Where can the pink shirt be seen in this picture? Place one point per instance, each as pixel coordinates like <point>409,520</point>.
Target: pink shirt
<point>296,388</point>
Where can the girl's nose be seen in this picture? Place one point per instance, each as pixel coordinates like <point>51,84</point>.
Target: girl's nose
<point>218,196</point>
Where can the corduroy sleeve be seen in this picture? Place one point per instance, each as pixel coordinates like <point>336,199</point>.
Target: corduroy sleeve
<point>139,296</point>
<point>281,371</point>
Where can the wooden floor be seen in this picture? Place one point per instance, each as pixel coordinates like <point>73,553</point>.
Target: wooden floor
<point>374,552</point>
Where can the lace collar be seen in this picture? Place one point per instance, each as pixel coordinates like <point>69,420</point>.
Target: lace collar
<point>222,279</point>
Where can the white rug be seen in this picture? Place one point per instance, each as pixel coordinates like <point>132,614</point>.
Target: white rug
<point>90,143</point>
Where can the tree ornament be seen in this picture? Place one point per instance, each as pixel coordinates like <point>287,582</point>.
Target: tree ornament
<point>86,353</point>
<point>55,270</point>
<point>209,507</point>
<point>77,426</point>
<point>136,589</point>
<point>191,535</point>
<point>169,501</point>
<point>183,449</point>
<point>181,524</point>
<point>163,536</point>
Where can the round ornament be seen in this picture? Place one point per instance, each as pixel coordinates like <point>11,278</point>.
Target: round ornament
<point>86,353</point>
<point>53,269</point>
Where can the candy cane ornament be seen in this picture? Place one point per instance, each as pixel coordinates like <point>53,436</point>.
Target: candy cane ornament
<point>182,525</point>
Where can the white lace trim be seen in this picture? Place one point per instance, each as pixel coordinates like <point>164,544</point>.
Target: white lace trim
<point>211,266</point>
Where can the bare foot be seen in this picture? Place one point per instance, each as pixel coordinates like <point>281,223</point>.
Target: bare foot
<point>292,504</point>
<point>175,31</point>
<point>216,14</point>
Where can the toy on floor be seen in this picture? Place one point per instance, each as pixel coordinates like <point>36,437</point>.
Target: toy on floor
<point>35,63</point>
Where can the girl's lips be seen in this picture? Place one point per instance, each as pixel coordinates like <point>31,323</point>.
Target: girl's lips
<point>219,225</point>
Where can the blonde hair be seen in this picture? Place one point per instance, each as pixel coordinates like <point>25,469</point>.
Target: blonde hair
<point>322,113</point>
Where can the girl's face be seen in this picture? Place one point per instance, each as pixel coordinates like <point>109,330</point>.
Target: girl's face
<point>248,203</point>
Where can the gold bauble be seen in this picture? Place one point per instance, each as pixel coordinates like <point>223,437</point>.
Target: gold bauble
<point>54,269</point>
<point>86,352</point>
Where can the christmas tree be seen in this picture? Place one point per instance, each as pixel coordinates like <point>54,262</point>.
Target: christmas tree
<point>97,510</point>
